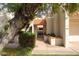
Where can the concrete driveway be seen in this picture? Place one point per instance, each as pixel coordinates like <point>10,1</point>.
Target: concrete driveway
<point>43,48</point>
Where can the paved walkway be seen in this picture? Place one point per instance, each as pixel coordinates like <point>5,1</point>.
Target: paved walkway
<point>43,48</point>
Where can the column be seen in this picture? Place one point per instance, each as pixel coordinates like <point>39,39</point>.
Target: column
<point>67,30</point>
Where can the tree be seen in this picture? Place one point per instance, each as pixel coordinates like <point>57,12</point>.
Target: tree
<point>23,14</point>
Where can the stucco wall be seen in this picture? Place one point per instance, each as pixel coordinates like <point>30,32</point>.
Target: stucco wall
<point>58,25</point>
<point>55,25</point>
<point>49,26</point>
<point>61,23</point>
<point>74,30</point>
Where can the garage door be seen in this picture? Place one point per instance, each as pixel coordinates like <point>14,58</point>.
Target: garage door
<point>74,27</point>
<point>74,32</point>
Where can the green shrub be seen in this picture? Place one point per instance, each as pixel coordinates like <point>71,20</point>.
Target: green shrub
<point>27,39</point>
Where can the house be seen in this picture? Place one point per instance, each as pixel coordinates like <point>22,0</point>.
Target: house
<point>67,29</point>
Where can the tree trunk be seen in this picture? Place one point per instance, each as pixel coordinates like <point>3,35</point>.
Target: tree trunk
<point>15,26</point>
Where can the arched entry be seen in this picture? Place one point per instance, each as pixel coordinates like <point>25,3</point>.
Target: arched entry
<point>39,24</point>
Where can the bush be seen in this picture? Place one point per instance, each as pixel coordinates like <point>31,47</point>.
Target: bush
<point>26,39</point>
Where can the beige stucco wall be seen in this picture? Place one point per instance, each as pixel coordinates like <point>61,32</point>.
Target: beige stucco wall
<point>61,23</point>
<point>56,25</point>
<point>67,29</point>
<point>49,25</point>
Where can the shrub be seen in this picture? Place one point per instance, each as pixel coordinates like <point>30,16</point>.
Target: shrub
<point>27,39</point>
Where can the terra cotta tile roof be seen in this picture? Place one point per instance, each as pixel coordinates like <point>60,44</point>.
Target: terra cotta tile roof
<point>39,21</point>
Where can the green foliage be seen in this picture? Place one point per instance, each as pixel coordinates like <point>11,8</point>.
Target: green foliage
<point>12,7</point>
<point>16,51</point>
<point>72,7</point>
<point>23,9</point>
<point>55,54</point>
<point>27,39</point>
<point>42,7</point>
<point>55,7</point>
